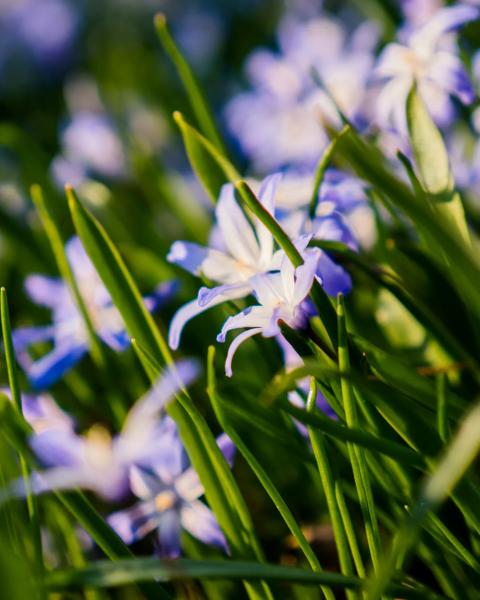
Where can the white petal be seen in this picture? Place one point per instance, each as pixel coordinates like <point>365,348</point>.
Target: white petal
<point>234,347</point>
<point>236,230</point>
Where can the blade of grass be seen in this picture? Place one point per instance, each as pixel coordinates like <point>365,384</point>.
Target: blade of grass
<point>221,490</point>
<point>328,484</point>
<point>356,454</point>
<point>58,248</point>
<point>103,574</point>
<point>260,473</point>
<point>458,457</point>
<point>32,506</point>
<point>194,92</point>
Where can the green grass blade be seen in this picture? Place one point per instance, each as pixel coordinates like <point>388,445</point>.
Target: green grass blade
<point>356,454</point>
<point>194,92</point>
<point>220,488</point>
<point>32,505</point>
<point>433,163</point>
<point>259,472</point>
<point>458,457</point>
<point>322,166</point>
<point>328,484</point>
<point>58,248</point>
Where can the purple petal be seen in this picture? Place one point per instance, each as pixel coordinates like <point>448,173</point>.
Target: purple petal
<point>188,255</point>
<point>49,369</point>
<point>169,534</point>
<point>200,522</point>
<point>45,291</point>
<point>227,447</point>
<point>56,447</point>
<point>133,523</point>
<point>335,278</point>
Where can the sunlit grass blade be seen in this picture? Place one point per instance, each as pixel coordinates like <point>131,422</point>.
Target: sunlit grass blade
<point>220,488</point>
<point>193,90</point>
<point>260,472</point>
<point>32,505</point>
<point>57,244</point>
<point>328,484</point>
<point>323,164</point>
<point>103,574</point>
<point>356,454</point>
<point>457,459</point>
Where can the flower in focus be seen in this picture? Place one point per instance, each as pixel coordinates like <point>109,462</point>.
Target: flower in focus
<point>428,57</point>
<point>68,331</point>
<point>281,297</point>
<point>99,462</point>
<point>237,252</point>
<point>280,121</point>
<point>169,495</point>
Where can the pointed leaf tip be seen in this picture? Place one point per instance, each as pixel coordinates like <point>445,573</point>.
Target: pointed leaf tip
<point>159,20</point>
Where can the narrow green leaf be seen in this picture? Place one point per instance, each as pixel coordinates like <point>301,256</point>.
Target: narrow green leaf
<point>442,420</point>
<point>220,487</point>
<point>458,457</point>
<point>356,454</point>
<point>328,484</point>
<point>58,247</point>
<point>17,401</point>
<point>194,92</point>
<point>432,160</point>
<point>322,166</point>
<point>260,473</point>
<point>103,574</point>
<point>210,166</point>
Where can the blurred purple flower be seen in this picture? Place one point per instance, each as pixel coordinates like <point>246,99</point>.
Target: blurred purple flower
<point>169,495</point>
<point>46,28</point>
<point>90,147</point>
<point>68,331</point>
<point>281,120</point>
<point>428,57</point>
<point>99,462</point>
<point>43,413</point>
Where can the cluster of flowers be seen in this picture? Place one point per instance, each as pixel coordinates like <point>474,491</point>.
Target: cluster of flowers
<point>279,125</point>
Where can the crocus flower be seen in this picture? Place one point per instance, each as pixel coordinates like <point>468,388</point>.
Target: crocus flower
<point>169,495</point>
<point>429,58</point>
<point>281,297</point>
<point>280,121</point>
<point>100,462</point>
<point>238,252</point>
<point>67,330</point>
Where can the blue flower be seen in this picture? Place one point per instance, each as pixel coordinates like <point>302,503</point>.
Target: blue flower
<point>169,495</point>
<point>67,330</point>
<point>100,462</point>
<point>237,252</point>
<point>280,121</point>
<point>429,58</point>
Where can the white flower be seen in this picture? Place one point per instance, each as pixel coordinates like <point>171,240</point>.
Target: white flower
<point>242,252</point>
<point>280,296</point>
<point>428,58</point>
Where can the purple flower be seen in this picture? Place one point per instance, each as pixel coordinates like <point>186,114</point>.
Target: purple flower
<point>281,120</point>
<point>429,58</point>
<point>280,297</point>
<point>91,147</point>
<point>67,330</point>
<point>238,252</point>
<point>100,462</point>
<point>47,29</point>
<point>169,495</point>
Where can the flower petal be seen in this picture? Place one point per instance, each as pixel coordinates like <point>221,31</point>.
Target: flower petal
<point>169,534</point>
<point>187,255</point>
<point>49,369</point>
<point>200,522</point>
<point>234,347</point>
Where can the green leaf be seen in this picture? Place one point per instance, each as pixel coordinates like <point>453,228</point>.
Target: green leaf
<point>58,247</point>
<point>105,574</point>
<point>356,454</point>
<point>220,488</point>
<point>457,458</point>
<point>260,472</point>
<point>210,166</point>
<point>433,163</point>
<point>194,92</point>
